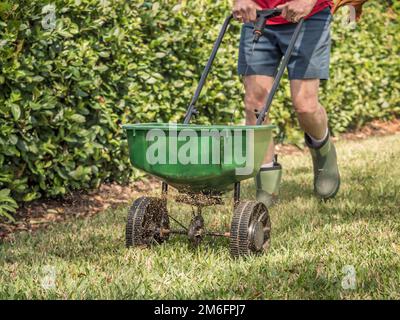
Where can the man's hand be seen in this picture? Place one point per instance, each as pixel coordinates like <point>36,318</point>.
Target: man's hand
<point>294,10</point>
<point>245,10</point>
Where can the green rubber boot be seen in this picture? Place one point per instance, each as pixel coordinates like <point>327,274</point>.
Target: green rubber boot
<point>326,171</point>
<point>267,182</point>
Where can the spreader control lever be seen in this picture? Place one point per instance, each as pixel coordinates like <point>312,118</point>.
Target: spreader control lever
<point>262,17</point>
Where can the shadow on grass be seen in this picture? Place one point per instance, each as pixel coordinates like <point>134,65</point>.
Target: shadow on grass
<point>293,189</point>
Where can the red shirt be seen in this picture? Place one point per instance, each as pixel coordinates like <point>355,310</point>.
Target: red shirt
<point>269,4</point>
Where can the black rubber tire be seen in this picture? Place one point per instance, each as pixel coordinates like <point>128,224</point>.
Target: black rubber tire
<point>245,214</point>
<point>146,215</point>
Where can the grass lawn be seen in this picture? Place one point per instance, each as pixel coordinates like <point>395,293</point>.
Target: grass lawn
<point>312,243</point>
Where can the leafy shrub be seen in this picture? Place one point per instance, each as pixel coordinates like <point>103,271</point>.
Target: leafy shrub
<point>64,93</point>
<point>7,204</point>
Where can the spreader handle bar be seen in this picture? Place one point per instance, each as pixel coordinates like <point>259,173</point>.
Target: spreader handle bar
<point>280,72</point>
<point>191,109</point>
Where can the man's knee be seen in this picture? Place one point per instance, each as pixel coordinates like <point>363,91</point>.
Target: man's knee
<point>306,104</point>
<point>255,97</point>
<point>305,96</point>
<point>254,100</point>
<point>256,90</point>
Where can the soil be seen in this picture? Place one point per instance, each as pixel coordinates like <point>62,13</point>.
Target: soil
<point>42,213</point>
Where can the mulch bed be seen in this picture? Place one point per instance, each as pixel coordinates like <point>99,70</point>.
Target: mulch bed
<point>375,128</point>
<point>41,213</point>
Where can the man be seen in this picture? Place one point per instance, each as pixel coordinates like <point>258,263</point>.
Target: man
<point>308,65</point>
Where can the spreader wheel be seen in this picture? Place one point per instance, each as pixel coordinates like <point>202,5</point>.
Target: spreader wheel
<point>250,229</point>
<point>147,218</point>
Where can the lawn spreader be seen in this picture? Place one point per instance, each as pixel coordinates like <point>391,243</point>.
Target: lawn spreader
<point>201,163</point>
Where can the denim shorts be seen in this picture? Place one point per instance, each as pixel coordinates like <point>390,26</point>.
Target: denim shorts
<point>310,58</point>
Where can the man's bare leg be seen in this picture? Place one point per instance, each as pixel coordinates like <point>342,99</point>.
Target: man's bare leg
<point>313,120</point>
<point>256,91</point>
<point>312,116</point>
<point>268,178</point>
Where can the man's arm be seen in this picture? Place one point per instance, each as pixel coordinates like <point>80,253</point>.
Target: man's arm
<point>245,10</point>
<point>294,10</point>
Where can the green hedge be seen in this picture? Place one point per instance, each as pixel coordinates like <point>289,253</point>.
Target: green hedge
<point>64,93</point>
